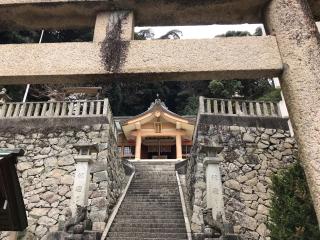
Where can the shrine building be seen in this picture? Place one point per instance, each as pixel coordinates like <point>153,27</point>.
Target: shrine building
<point>156,133</point>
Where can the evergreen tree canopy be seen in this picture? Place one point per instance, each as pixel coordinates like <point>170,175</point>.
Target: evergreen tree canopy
<point>292,216</point>
<point>261,89</point>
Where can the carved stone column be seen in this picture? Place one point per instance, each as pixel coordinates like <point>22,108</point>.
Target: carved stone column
<point>87,155</point>
<point>213,179</point>
<point>292,23</point>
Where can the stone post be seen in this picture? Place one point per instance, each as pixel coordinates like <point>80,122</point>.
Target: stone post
<point>213,178</point>
<point>201,104</point>
<point>282,106</point>
<point>292,23</point>
<point>82,176</point>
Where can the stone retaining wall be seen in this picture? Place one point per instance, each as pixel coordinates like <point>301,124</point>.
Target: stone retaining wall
<point>46,174</point>
<point>251,155</point>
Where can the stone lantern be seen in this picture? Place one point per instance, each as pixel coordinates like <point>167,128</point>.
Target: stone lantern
<point>87,155</point>
<point>213,177</point>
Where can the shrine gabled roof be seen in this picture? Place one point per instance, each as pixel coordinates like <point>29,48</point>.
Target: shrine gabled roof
<point>159,112</point>
<point>156,106</point>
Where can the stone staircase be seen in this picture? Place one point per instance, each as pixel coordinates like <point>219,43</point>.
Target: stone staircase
<point>152,207</point>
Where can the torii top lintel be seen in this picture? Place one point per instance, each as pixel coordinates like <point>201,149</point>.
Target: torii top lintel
<point>66,14</point>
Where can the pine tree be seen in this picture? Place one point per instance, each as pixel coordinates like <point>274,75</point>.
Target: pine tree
<point>292,216</point>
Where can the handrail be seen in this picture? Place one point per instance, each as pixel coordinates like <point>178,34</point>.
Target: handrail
<point>116,208</point>
<point>184,208</point>
<point>237,107</point>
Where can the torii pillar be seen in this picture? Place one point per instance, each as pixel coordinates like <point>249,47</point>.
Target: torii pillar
<point>292,23</point>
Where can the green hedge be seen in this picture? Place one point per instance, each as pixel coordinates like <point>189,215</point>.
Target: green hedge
<point>292,215</point>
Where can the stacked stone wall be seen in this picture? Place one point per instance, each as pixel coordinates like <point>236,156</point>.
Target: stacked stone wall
<point>251,156</point>
<point>46,174</point>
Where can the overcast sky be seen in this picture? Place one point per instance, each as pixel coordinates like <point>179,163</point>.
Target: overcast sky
<point>208,31</point>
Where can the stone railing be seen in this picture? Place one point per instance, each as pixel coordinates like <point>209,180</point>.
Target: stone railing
<point>252,113</point>
<point>54,109</point>
<point>238,107</point>
<point>58,110</point>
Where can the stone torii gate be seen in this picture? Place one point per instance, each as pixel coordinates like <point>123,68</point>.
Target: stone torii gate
<point>291,51</point>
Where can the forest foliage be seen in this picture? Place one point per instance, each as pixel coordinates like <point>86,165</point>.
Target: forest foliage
<point>292,215</point>
<point>133,97</point>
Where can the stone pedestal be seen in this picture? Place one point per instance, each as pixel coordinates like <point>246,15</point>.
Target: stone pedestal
<point>214,186</point>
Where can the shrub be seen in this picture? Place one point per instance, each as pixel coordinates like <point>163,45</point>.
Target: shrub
<point>292,215</point>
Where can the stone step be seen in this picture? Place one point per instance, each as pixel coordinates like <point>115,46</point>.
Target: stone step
<point>149,225</point>
<point>149,221</point>
<point>155,190</point>
<point>134,198</point>
<point>148,235</point>
<point>153,174</point>
<point>152,207</point>
<point>139,238</point>
<point>147,202</point>
<point>165,168</point>
<point>152,193</point>
<point>153,185</point>
<point>149,216</point>
<point>155,200</point>
<point>159,213</point>
<point>159,196</point>
<point>151,200</point>
<point>158,229</point>
<point>153,180</point>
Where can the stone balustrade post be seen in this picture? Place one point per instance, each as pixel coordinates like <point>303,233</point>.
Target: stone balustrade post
<point>201,104</point>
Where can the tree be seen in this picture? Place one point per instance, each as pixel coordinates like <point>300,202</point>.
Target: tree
<point>40,92</point>
<point>249,88</point>
<point>7,37</point>
<point>292,216</point>
<point>148,34</point>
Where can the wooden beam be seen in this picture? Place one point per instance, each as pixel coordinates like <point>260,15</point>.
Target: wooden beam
<point>218,58</point>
